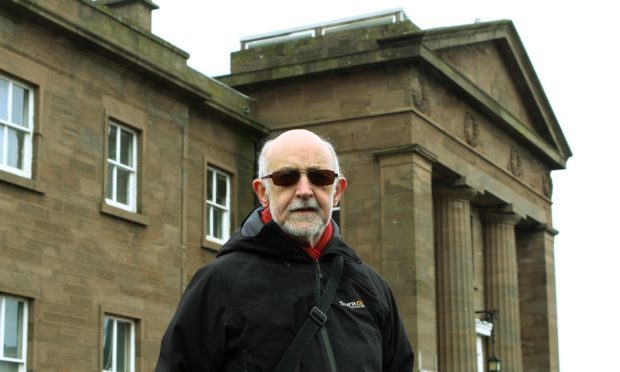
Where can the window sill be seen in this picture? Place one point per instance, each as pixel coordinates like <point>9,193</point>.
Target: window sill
<point>211,245</point>
<point>26,183</point>
<point>137,218</point>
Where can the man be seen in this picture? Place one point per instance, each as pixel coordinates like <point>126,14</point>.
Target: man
<point>241,311</point>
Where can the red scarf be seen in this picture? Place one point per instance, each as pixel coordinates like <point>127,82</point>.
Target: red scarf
<point>314,252</point>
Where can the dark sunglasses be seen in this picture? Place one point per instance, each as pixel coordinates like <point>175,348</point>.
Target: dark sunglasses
<point>318,177</point>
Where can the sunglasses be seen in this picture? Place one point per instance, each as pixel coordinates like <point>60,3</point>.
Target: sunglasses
<point>318,177</point>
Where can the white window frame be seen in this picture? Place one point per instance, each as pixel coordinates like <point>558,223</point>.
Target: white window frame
<point>21,362</point>
<point>480,354</point>
<point>483,331</point>
<point>132,192</point>
<point>212,205</point>
<point>114,351</point>
<point>26,172</point>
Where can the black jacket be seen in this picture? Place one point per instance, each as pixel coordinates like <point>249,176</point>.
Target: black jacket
<point>241,311</point>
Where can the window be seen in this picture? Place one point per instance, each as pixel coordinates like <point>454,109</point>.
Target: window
<point>121,181</point>
<point>13,333</point>
<point>336,215</point>
<point>16,123</point>
<point>218,205</point>
<point>118,344</point>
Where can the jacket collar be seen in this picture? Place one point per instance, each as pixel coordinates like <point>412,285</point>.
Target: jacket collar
<point>270,239</point>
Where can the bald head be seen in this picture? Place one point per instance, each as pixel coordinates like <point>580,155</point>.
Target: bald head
<point>295,139</point>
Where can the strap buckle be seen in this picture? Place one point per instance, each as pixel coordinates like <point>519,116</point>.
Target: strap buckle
<point>318,316</point>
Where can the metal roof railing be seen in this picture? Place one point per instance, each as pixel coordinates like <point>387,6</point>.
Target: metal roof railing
<point>373,19</point>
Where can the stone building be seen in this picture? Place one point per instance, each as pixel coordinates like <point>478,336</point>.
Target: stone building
<point>122,170</point>
<point>448,142</point>
<point>110,148</point>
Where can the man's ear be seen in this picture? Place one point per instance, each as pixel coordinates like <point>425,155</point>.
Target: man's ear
<point>261,192</point>
<point>341,185</point>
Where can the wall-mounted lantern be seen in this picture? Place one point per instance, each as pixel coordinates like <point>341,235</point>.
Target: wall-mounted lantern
<point>494,364</point>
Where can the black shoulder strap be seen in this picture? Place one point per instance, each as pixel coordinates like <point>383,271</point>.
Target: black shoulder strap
<point>315,320</point>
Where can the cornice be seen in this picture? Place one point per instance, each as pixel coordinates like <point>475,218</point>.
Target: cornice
<point>93,23</point>
<point>407,149</point>
<point>415,47</point>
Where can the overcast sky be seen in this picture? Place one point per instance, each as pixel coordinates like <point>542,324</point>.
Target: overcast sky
<point>574,49</point>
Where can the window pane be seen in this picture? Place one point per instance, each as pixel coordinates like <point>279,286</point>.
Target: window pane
<point>4,100</point>
<point>109,181</point>
<point>112,142</point>
<point>217,223</point>
<point>16,148</point>
<point>2,131</point>
<point>221,190</point>
<point>209,185</point>
<point>126,148</point>
<point>20,106</point>
<point>208,220</point>
<point>8,367</point>
<point>123,346</point>
<point>13,328</point>
<point>108,326</point>
<point>123,178</point>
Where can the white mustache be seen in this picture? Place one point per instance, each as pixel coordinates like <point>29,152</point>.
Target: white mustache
<point>304,204</point>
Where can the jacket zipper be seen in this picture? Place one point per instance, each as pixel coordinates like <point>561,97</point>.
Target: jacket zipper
<point>318,277</point>
<point>322,331</point>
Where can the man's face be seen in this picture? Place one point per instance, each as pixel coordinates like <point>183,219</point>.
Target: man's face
<point>303,209</point>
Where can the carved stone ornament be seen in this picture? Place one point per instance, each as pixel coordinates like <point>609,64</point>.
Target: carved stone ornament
<point>420,98</point>
<point>472,130</point>
<point>547,185</point>
<point>515,162</point>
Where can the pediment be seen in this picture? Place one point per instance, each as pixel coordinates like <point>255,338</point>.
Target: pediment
<point>490,59</point>
<point>484,65</point>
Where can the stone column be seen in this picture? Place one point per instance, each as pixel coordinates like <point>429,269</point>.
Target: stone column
<point>407,250</point>
<point>455,279</point>
<point>539,328</point>
<point>502,286</point>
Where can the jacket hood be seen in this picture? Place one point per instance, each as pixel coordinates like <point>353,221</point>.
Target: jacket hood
<point>269,239</point>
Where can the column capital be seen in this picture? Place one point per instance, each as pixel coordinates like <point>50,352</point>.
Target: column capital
<point>500,217</point>
<point>460,192</point>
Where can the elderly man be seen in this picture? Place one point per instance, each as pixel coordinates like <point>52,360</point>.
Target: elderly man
<point>286,293</point>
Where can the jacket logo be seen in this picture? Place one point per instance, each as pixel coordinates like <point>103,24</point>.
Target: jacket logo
<point>359,304</point>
